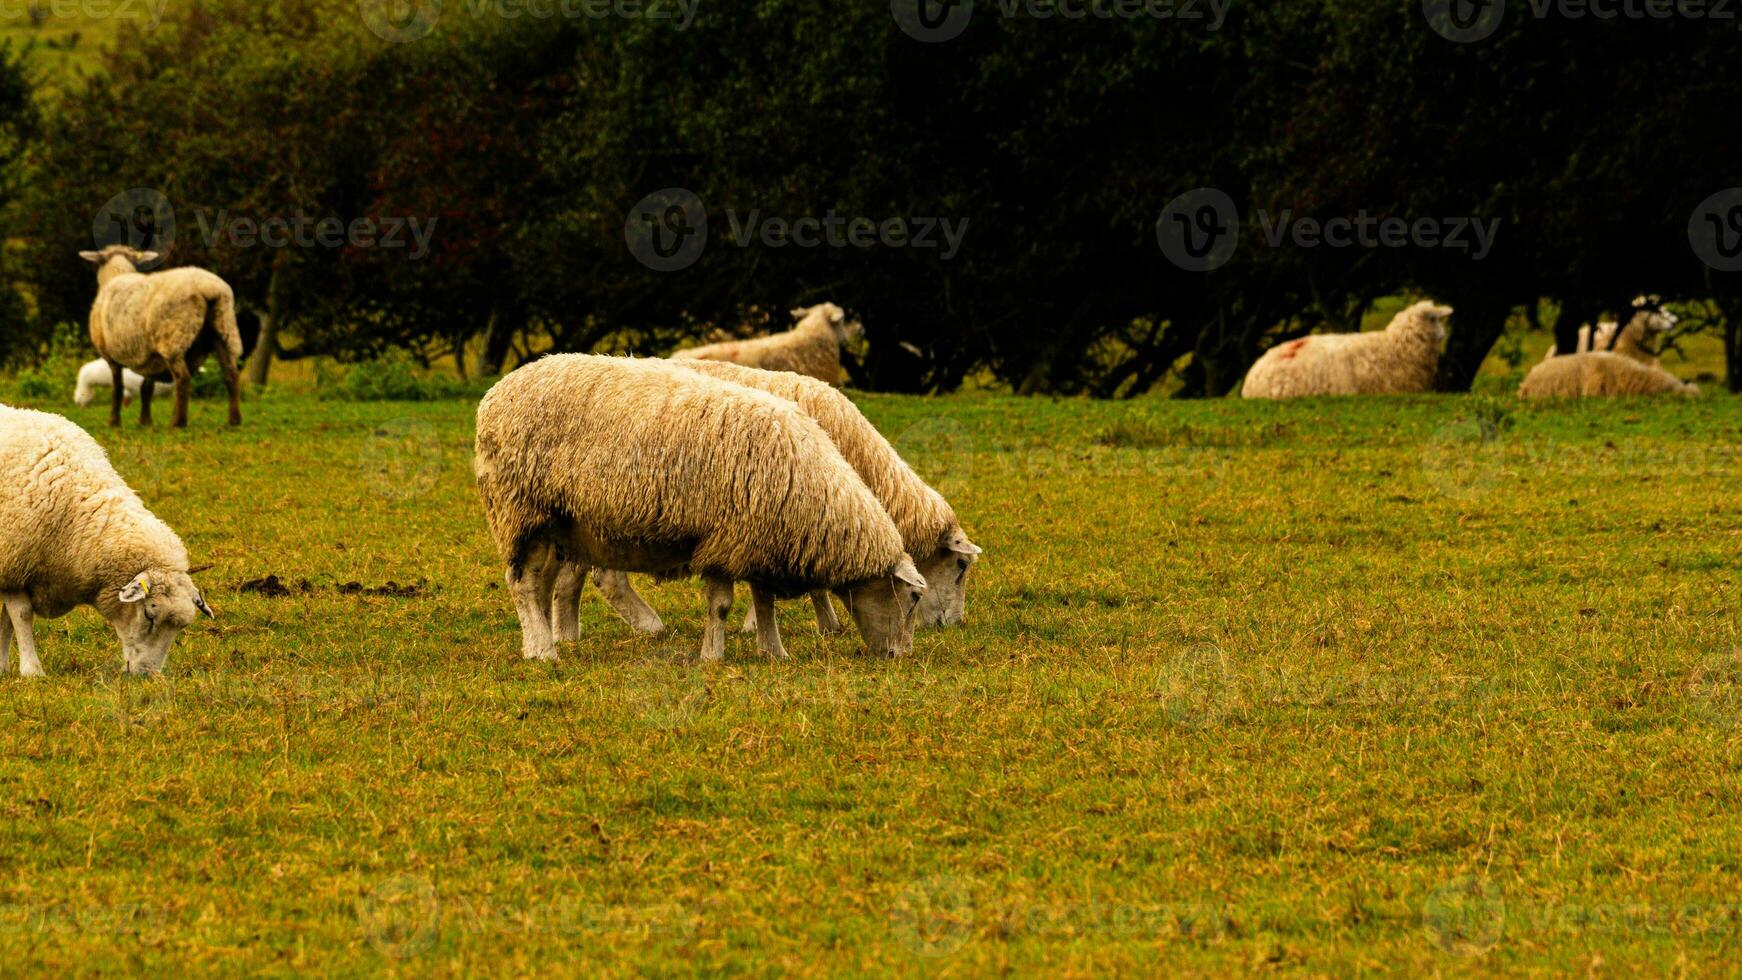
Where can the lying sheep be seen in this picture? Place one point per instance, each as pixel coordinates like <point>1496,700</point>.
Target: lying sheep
<point>164,323</point>
<point>645,467</point>
<point>1599,374</point>
<point>98,375</point>
<point>813,347</point>
<point>929,529</point>
<point>77,536</point>
<point>1646,327</point>
<point>1401,358</point>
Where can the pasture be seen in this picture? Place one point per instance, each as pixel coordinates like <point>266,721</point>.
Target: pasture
<point>1416,685</point>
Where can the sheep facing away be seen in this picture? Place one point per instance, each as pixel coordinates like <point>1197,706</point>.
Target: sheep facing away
<point>162,324</point>
<point>1640,340</point>
<point>1401,358</point>
<point>642,466</point>
<point>1599,374</point>
<point>97,374</point>
<point>77,536</point>
<point>812,347</point>
<point>929,528</point>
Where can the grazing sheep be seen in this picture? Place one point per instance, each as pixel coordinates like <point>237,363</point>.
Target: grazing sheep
<point>929,529</point>
<point>1600,374</point>
<point>813,347</point>
<point>162,323</point>
<point>642,466</point>
<point>77,536</point>
<point>98,375</point>
<point>1401,358</point>
<point>1641,339</point>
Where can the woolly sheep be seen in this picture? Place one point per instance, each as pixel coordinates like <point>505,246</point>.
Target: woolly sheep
<point>929,529</point>
<point>97,375</point>
<point>1640,340</point>
<point>812,347</point>
<point>642,466</point>
<point>77,536</point>
<point>162,323</point>
<point>1401,358</point>
<point>1598,374</point>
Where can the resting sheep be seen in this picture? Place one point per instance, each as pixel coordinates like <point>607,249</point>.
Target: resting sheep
<point>929,529</point>
<point>1401,358</point>
<point>812,347</point>
<point>77,536</point>
<point>98,375</point>
<point>162,323</point>
<point>1644,334</point>
<point>1599,374</point>
<point>642,466</point>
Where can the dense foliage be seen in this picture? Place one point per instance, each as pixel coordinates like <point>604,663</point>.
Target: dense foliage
<point>520,146</point>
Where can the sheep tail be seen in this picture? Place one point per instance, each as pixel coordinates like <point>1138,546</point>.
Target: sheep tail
<point>221,321</point>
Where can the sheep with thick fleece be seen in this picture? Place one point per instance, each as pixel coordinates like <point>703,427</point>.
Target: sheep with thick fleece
<point>642,466</point>
<point>1640,340</point>
<point>929,529</point>
<point>163,323</point>
<point>98,375</point>
<point>77,536</point>
<point>1401,358</point>
<point>812,347</point>
<point>1600,374</point>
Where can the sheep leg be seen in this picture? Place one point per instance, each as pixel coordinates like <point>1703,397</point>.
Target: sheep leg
<point>565,601</point>
<point>5,640</point>
<point>232,381</point>
<point>750,616</point>
<point>719,608</point>
<point>117,393</point>
<point>145,403</point>
<point>767,627</point>
<point>184,384</point>
<point>23,618</point>
<point>615,587</point>
<point>828,623</point>
<point>532,588</point>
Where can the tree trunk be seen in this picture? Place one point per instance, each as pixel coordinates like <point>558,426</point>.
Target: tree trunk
<point>1478,321</point>
<point>260,365</point>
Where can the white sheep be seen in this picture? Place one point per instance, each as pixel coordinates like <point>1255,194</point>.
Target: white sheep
<point>1401,358</point>
<point>1646,328</point>
<point>812,347</point>
<point>1600,374</point>
<point>98,375</point>
<point>641,466</point>
<point>929,528</point>
<point>77,536</point>
<point>162,323</point>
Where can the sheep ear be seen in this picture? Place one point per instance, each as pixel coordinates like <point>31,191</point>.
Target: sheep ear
<point>136,590</point>
<point>799,312</point>
<point>91,256</point>
<point>146,257</point>
<point>200,604</point>
<point>960,544</point>
<point>908,575</point>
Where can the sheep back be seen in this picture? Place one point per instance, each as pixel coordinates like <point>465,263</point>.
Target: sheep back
<point>144,319</point>
<point>1599,374</point>
<point>811,348</point>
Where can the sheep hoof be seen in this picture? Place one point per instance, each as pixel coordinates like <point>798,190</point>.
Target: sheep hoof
<point>548,656</point>
<point>651,627</point>
<point>30,671</point>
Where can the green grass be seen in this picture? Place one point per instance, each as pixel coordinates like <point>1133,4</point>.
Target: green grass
<point>1414,685</point>
<point>66,43</point>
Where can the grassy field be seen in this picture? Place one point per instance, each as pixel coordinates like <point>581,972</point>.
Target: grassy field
<point>1415,685</point>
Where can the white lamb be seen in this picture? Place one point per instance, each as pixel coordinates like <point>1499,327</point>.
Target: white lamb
<point>1600,374</point>
<point>812,348</point>
<point>642,466</point>
<point>164,323</point>
<point>77,536</point>
<point>1647,325</point>
<point>929,528</point>
<point>1401,358</point>
<point>98,375</point>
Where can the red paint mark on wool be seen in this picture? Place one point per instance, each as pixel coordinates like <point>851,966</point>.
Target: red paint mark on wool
<point>1293,347</point>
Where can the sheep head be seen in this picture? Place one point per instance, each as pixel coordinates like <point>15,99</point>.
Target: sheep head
<point>149,613</point>
<point>115,260</point>
<point>946,573</point>
<point>845,327</point>
<point>1426,318</point>
<point>883,608</point>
